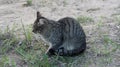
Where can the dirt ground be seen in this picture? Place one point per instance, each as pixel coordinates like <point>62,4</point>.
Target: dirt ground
<point>106,24</point>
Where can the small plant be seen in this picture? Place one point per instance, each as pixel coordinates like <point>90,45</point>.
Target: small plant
<point>7,40</point>
<point>32,58</point>
<point>29,2</point>
<point>84,19</point>
<point>64,3</point>
<point>6,62</point>
<point>108,46</point>
<point>118,19</point>
<point>100,24</point>
<point>27,33</point>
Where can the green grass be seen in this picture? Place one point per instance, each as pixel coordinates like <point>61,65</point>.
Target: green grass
<point>32,52</point>
<point>100,24</point>
<point>118,19</point>
<point>106,47</point>
<point>7,40</point>
<point>85,19</point>
<point>65,3</point>
<point>10,42</point>
<point>29,2</point>
<point>6,62</point>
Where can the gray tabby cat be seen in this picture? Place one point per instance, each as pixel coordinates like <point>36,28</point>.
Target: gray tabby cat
<point>66,36</point>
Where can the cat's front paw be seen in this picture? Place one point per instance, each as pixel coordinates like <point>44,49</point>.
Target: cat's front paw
<point>50,52</point>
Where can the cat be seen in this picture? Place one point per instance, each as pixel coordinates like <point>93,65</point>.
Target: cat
<point>66,36</point>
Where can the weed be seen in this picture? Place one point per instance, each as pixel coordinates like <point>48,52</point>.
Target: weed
<point>35,56</point>
<point>27,33</point>
<point>32,58</point>
<point>6,62</point>
<point>118,19</point>
<point>105,61</point>
<point>7,40</point>
<point>108,46</point>
<point>29,2</point>
<point>100,24</point>
<point>84,19</point>
<point>64,3</point>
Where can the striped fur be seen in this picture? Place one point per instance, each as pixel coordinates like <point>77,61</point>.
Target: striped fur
<point>74,39</point>
<point>66,36</point>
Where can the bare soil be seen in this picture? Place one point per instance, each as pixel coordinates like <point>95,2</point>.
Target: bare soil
<point>105,24</point>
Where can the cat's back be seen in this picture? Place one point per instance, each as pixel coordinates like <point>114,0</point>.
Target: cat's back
<point>71,27</point>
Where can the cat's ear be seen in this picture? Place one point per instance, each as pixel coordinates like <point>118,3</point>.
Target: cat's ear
<point>38,14</point>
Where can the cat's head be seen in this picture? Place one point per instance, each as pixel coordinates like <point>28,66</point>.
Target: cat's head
<point>40,23</point>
